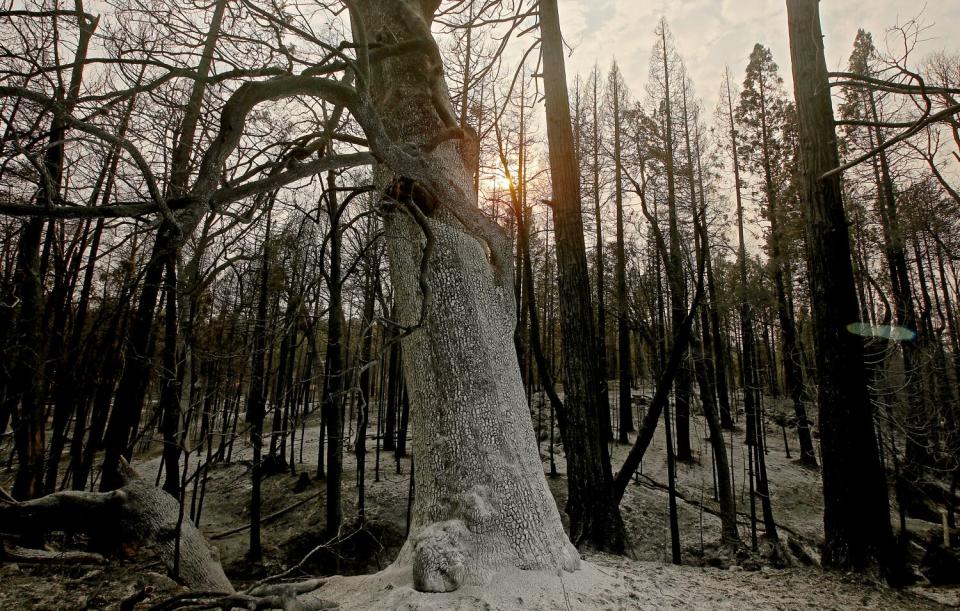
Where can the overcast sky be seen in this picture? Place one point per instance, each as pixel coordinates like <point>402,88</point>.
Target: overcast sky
<point>713,33</point>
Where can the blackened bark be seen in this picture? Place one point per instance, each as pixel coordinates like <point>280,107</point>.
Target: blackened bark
<point>606,428</point>
<point>132,389</point>
<point>719,346</point>
<point>856,510</point>
<point>333,389</point>
<point>363,409</point>
<point>288,342</point>
<point>393,391</point>
<point>918,456</point>
<point>623,323</point>
<point>402,429</point>
<point>790,353</point>
<point>674,262</point>
<point>26,383</point>
<point>257,398</point>
<point>169,387</point>
<point>725,492</point>
<point>672,365</point>
<point>594,515</point>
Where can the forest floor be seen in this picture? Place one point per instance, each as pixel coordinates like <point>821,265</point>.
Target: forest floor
<point>705,580</point>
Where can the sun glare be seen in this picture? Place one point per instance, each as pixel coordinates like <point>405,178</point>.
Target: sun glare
<point>498,181</point>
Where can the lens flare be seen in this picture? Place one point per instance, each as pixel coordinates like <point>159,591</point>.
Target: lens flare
<point>890,332</point>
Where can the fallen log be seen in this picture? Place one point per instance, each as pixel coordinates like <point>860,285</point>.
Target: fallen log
<point>25,555</point>
<point>266,519</point>
<point>137,512</point>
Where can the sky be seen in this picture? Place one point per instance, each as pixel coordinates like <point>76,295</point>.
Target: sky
<point>711,34</point>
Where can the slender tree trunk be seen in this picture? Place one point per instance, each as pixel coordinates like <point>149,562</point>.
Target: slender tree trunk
<point>623,321</point>
<point>793,378</point>
<point>703,365</point>
<point>363,411</point>
<point>172,418</point>
<point>729,534</point>
<point>678,289</point>
<point>333,389</point>
<point>29,434</point>
<point>257,398</point>
<point>281,388</point>
<point>606,429</point>
<point>393,392</point>
<point>132,388</point>
<point>918,457</point>
<point>131,392</point>
<point>594,515</point>
<point>28,386</point>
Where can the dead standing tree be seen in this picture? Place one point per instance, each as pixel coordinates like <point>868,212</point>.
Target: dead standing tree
<point>594,515</point>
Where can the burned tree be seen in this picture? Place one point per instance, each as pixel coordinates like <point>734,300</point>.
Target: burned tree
<point>856,509</point>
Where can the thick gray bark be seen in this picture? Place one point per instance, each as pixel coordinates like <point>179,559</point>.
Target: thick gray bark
<point>482,502</point>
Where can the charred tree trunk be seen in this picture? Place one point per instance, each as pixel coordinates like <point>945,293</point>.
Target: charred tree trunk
<point>393,393</point>
<point>257,397</point>
<point>132,390</point>
<point>856,509</point>
<point>790,353</point>
<point>363,410</point>
<point>674,262</point>
<point>333,388</point>
<point>594,515</point>
<point>26,383</point>
<point>171,418</point>
<point>729,534</point>
<point>623,322</point>
<point>606,428</point>
<point>918,456</point>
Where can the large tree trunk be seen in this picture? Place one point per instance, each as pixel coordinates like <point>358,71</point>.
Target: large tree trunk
<point>856,516</point>
<point>482,502</point>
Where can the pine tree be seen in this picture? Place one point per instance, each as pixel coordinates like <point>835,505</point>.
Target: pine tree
<point>764,114</point>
